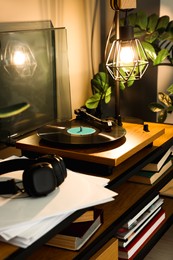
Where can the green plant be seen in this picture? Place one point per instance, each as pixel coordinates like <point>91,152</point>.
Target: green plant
<point>101,90</point>
<point>156,36</point>
<point>165,106</point>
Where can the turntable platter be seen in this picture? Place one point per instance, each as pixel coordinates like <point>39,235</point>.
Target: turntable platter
<point>77,132</point>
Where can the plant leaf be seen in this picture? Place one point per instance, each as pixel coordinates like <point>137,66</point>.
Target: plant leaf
<point>152,22</point>
<point>150,51</point>
<point>122,85</point>
<point>108,95</point>
<point>170,26</point>
<point>163,23</point>
<point>93,101</point>
<point>162,55</point>
<point>138,33</point>
<point>132,19</point>
<point>142,20</point>
<point>166,36</point>
<point>151,37</point>
<point>130,82</point>
<point>100,80</point>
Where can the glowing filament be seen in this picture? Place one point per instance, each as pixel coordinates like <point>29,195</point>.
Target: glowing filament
<point>126,56</point>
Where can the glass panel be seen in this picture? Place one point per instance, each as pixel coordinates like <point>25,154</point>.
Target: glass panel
<point>33,73</point>
<point>18,26</point>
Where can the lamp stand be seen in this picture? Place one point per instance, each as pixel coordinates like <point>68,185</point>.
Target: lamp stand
<point>117,83</point>
<point>118,5</point>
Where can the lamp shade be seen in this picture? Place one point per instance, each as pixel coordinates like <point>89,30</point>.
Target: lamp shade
<point>127,59</point>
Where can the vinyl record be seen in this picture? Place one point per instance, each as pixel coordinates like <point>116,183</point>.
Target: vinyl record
<point>77,132</point>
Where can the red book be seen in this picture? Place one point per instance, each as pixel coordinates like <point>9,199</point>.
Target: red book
<point>129,251</point>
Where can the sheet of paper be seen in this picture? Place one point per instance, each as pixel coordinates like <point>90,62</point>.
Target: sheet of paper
<point>34,232</point>
<point>75,192</point>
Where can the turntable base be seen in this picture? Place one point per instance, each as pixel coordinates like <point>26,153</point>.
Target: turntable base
<point>111,154</point>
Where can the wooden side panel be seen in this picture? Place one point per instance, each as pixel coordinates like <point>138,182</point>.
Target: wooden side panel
<point>109,251</point>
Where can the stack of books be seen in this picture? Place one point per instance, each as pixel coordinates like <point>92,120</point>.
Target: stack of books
<point>133,234</point>
<point>78,232</point>
<point>154,170</point>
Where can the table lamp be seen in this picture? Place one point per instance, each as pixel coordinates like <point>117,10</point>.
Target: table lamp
<point>126,60</point>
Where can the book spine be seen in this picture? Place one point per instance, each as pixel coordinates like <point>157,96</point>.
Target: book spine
<point>131,221</point>
<point>135,245</point>
<point>133,235</point>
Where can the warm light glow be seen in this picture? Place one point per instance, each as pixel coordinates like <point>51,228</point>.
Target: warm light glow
<point>126,56</point>
<point>126,60</point>
<point>19,58</point>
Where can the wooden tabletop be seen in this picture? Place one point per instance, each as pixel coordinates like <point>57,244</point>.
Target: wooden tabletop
<point>111,154</point>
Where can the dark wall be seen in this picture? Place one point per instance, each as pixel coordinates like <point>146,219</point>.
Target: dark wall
<point>152,6</point>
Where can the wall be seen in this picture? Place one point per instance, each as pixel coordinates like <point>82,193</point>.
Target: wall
<point>85,39</point>
<point>78,17</point>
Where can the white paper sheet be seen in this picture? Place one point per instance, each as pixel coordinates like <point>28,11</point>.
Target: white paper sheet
<point>24,220</point>
<point>34,232</point>
<point>75,192</point>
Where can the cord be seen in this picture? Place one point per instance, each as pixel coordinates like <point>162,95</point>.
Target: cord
<point>114,5</point>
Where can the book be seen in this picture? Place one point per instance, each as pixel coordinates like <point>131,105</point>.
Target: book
<point>149,177</point>
<point>133,220</point>
<point>77,233</point>
<point>157,164</point>
<point>126,235</point>
<point>131,249</point>
<point>167,190</point>
<point>124,243</point>
<point>124,232</point>
<point>86,216</point>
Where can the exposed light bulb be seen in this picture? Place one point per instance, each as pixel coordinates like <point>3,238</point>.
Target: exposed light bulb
<point>126,60</point>
<point>126,56</point>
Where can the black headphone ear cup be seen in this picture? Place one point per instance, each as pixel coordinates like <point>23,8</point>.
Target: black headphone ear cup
<point>58,166</point>
<point>39,179</point>
<point>62,166</point>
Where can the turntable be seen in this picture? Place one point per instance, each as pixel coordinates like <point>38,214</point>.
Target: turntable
<point>93,141</point>
<point>86,129</point>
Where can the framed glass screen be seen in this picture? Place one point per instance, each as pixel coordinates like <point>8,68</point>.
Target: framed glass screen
<point>34,77</point>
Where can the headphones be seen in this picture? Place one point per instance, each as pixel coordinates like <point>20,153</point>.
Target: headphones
<point>40,176</point>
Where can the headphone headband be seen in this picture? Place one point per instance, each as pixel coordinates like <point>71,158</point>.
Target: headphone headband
<point>15,165</point>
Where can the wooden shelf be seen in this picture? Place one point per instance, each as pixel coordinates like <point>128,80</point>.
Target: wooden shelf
<point>121,209</point>
<point>132,197</point>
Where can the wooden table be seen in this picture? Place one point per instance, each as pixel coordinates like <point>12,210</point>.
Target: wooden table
<point>132,197</point>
